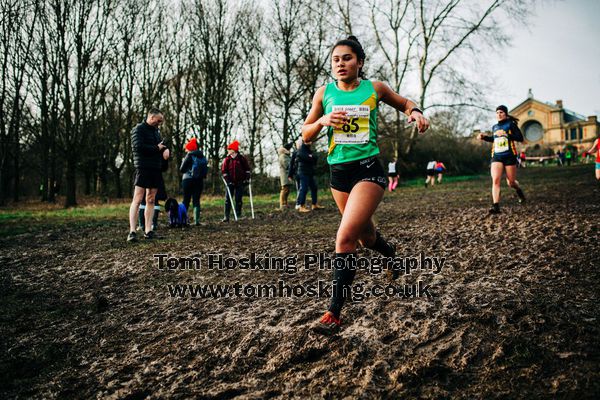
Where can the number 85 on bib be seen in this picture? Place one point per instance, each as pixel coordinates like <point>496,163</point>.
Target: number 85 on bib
<point>356,130</point>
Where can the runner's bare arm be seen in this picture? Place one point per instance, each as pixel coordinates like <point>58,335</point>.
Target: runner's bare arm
<point>390,97</point>
<point>315,121</point>
<point>594,146</point>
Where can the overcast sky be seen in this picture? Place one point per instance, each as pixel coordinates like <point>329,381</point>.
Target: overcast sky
<point>557,56</point>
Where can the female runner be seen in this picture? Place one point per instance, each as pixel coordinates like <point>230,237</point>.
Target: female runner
<point>348,108</point>
<point>504,155</point>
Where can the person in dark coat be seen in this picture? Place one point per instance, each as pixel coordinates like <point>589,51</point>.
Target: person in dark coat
<point>236,172</point>
<point>149,151</point>
<point>306,173</point>
<point>293,168</point>
<point>194,168</point>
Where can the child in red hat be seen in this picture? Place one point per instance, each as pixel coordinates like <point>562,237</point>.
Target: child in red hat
<point>194,168</point>
<point>236,172</point>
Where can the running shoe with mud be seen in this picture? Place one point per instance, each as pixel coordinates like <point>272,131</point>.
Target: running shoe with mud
<point>495,209</point>
<point>391,273</point>
<point>328,324</point>
<point>521,196</point>
<point>389,254</point>
<point>388,250</point>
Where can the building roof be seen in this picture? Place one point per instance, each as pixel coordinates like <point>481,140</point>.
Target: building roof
<point>569,115</point>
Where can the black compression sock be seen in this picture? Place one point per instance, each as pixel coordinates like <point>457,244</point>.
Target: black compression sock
<point>382,246</point>
<point>520,194</point>
<point>344,270</point>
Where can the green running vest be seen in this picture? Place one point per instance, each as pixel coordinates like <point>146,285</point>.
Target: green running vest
<point>357,139</point>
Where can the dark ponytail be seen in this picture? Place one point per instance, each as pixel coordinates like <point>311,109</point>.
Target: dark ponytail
<point>356,47</point>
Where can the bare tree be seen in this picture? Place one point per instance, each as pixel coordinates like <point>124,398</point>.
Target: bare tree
<point>449,29</point>
<point>253,102</point>
<point>125,105</point>
<point>44,70</point>
<point>346,8</point>
<point>180,57</point>
<point>394,37</point>
<point>215,31</point>
<point>313,66</point>
<point>424,41</point>
<point>287,47</point>
<point>78,33</point>
<point>16,29</point>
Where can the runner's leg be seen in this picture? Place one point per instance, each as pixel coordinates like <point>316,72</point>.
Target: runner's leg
<point>511,176</point>
<point>358,209</point>
<point>496,170</point>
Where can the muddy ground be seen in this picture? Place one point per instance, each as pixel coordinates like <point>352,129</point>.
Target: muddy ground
<point>515,310</point>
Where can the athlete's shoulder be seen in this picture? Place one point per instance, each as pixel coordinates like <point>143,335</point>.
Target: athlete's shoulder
<point>382,89</point>
<point>379,85</point>
<point>320,93</point>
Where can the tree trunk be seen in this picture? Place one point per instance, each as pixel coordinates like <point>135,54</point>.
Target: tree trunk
<point>52,181</point>
<point>87,189</point>
<point>45,174</point>
<point>71,198</point>
<point>17,168</point>
<point>118,184</point>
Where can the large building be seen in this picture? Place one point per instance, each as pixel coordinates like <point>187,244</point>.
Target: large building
<point>552,125</point>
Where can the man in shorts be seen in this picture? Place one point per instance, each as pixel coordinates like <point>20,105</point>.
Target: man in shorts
<point>148,153</point>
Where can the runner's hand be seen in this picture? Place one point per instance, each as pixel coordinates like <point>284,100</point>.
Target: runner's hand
<point>480,136</point>
<point>421,121</point>
<point>335,119</point>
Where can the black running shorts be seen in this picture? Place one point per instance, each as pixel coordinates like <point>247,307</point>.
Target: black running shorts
<point>506,160</point>
<point>344,176</point>
<point>148,178</point>
<point>431,172</point>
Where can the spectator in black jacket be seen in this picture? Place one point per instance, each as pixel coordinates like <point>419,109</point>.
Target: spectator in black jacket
<point>148,154</point>
<point>194,168</point>
<point>293,167</point>
<point>306,173</point>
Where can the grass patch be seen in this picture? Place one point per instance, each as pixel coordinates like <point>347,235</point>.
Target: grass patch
<point>34,217</point>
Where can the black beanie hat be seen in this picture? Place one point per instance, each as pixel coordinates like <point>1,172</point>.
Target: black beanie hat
<point>503,108</point>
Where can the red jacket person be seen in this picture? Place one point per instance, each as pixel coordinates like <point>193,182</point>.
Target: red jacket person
<point>236,172</point>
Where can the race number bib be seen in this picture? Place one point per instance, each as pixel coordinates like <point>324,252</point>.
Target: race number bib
<point>500,144</point>
<point>356,130</point>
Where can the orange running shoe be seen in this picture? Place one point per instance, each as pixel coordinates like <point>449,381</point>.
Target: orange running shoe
<point>328,324</point>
